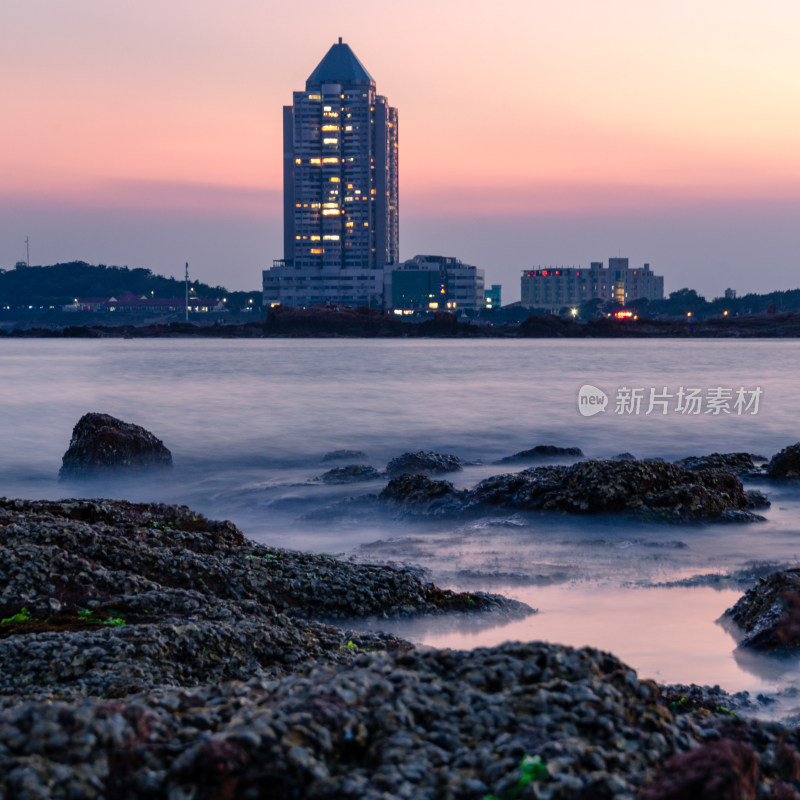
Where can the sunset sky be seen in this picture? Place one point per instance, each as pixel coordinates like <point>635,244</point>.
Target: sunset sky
<point>531,133</point>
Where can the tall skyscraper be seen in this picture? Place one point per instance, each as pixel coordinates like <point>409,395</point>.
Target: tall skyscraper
<point>340,208</point>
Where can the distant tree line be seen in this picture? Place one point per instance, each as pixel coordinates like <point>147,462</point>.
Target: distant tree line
<point>685,301</point>
<point>58,285</point>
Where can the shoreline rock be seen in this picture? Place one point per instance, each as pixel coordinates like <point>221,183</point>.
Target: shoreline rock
<point>737,463</point>
<point>542,451</point>
<point>649,489</point>
<point>768,614</point>
<point>785,464</point>
<point>102,443</point>
<point>351,473</point>
<point>516,720</point>
<point>422,462</point>
<point>217,682</point>
<point>101,596</point>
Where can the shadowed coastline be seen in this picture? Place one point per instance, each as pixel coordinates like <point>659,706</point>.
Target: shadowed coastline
<point>365,322</point>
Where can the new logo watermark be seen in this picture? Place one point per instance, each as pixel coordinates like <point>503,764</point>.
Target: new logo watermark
<point>591,400</point>
<point>683,400</point>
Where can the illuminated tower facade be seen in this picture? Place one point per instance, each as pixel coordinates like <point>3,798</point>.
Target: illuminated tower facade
<point>340,212</point>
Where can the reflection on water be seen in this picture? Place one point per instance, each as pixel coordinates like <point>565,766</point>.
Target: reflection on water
<point>661,631</point>
<point>248,423</point>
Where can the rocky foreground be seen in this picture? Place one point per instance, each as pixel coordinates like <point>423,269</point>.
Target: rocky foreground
<point>108,598</point>
<point>146,651</point>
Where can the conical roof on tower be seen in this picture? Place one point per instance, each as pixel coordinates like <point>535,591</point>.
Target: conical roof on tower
<point>340,65</point>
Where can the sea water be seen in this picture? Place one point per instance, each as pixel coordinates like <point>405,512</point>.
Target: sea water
<point>249,421</point>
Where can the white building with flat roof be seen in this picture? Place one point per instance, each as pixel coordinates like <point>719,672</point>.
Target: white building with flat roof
<point>556,287</point>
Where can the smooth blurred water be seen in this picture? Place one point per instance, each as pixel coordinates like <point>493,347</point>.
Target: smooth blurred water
<point>249,421</point>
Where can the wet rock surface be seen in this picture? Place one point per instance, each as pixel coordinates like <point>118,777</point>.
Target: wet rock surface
<point>102,443</point>
<point>650,489</point>
<point>352,473</point>
<point>109,597</point>
<point>517,720</point>
<point>785,464</point>
<point>421,495</point>
<point>769,613</point>
<point>423,462</point>
<point>542,451</point>
<point>738,463</point>
<point>724,770</point>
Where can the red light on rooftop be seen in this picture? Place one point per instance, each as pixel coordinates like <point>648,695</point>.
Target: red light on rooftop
<point>544,272</point>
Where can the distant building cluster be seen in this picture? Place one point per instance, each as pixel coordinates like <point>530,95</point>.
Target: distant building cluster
<point>556,287</point>
<point>341,216</point>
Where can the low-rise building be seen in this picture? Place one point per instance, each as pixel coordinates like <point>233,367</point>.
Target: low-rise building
<point>556,287</point>
<point>290,285</point>
<point>433,283</point>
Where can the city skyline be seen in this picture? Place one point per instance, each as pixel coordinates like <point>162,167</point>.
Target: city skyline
<point>532,135</point>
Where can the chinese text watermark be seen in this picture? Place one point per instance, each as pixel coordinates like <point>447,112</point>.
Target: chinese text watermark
<point>662,400</point>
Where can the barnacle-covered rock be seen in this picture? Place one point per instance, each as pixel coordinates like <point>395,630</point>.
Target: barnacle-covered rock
<point>102,596</point>
<point>785,464</point>
<point>651,489</point>
<point>769,613</point>
<point>738,463</point>
<point>423,462</point>
<point>419,494</point>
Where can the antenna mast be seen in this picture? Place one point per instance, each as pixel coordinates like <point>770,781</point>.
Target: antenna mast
<point>186,279</point>
<point>27,251</point>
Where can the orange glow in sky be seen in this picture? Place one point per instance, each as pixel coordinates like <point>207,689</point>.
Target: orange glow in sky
<point>516,108</point>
